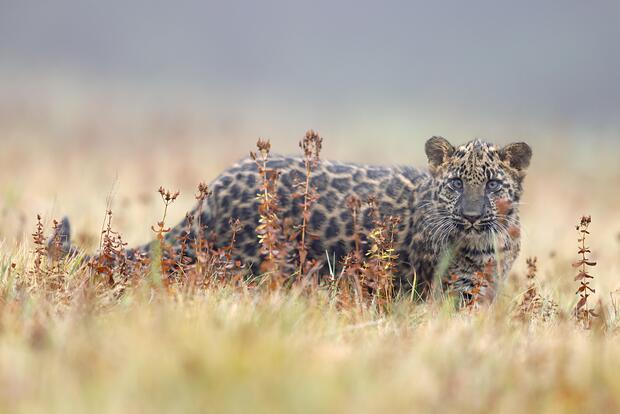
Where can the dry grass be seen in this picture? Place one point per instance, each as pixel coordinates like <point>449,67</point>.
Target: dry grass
<point>77,338</point>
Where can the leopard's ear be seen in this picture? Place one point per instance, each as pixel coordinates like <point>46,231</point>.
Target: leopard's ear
<point>438,150</point>
<point>517,155</point>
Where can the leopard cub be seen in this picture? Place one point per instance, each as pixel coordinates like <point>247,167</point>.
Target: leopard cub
<point>459,218</point>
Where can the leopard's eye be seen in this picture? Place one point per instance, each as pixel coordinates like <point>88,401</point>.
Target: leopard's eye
<point>456,184</point>
<point>494,185</point>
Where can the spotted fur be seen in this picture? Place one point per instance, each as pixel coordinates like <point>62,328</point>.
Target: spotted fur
<point>452,220</point>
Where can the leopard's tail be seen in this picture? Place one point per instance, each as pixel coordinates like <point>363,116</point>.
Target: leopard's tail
<point>59,244</point>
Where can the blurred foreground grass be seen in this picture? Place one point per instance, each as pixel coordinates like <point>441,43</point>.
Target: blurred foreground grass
<point>81,347</point>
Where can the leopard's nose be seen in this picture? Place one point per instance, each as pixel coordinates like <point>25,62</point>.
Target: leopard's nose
<point>472,218</point>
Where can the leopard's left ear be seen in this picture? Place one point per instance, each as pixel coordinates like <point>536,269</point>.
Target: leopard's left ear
<point>517,155</point>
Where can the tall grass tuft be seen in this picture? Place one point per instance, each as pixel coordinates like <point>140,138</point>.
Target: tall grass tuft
<point>583,312</point>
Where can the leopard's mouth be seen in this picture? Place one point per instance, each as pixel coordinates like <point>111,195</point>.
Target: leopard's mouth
<point>478,227</point>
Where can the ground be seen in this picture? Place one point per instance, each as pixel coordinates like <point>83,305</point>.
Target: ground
<point>79,347</point>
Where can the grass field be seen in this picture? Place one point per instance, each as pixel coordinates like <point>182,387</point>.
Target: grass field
<point>70,343</point>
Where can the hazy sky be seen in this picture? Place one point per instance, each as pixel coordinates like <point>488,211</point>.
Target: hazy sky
<point>537,60</point>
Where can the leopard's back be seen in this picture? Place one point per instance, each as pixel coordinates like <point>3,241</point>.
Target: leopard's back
<point>330,225</point>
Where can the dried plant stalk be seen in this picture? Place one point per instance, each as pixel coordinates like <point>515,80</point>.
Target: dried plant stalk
<point>583,312</point>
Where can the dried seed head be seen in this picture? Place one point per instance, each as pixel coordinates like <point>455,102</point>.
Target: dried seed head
<point>372,203</point>
<point>585,221</point>
<point>311,145</point>
<point>203,192</point>
<point>264,146</point>
<point>168,196</point>
<point>353,203</point>
<point>532,267</point>
<point>189,217</point>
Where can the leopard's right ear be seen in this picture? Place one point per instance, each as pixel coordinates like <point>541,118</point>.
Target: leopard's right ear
<point>438,150</point>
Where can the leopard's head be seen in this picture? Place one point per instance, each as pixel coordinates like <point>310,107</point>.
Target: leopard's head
<point>478,188</point>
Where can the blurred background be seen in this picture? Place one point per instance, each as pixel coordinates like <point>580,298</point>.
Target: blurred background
<point>101,98</point>
<point>355,70</point>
